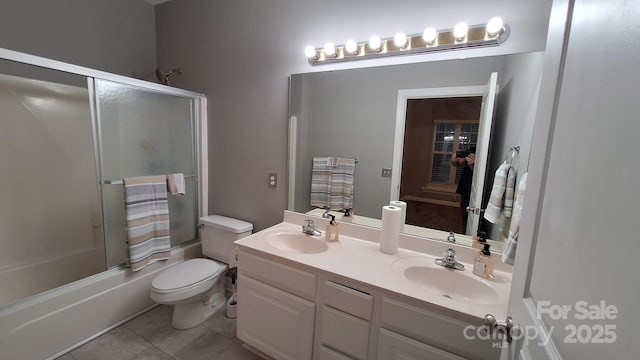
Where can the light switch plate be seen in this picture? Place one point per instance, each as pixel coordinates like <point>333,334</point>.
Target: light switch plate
<point>386,172</point>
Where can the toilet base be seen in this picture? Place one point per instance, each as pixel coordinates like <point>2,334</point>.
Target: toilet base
<point>190,314</point>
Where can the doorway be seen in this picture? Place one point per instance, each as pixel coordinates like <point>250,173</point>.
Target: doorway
<point>434,129</point>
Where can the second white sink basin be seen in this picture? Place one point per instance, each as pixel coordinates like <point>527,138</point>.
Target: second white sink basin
<point>460,285</point>
<point>295,242</point>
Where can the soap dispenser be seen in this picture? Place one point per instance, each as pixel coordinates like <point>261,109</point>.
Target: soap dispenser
<point>479,240</point>
<point>333,230</point>
<point>348,215</point>
<point>483,263</point>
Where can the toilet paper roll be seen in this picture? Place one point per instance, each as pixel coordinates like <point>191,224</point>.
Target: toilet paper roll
<point>233,258</point>
<point>402,205</point>
<point>390,229</point>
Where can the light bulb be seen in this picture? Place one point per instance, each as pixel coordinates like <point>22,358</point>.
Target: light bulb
<point>329,49</point>
<point>460,31</point>
<point>310,51</point>
<point>429,35</point>
<point>375,42</point>
<point>351,46</point>
<point>494,26</point>
<point>400,39</point>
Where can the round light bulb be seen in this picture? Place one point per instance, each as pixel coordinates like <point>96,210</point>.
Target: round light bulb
<point>329,49</point>
<point>460,31</point>
<point>400,39</point>
<point>494,26</point>
<point>351,46</point>
<point>375,42</point>
<point>429,35</point>
<point>310,51</point>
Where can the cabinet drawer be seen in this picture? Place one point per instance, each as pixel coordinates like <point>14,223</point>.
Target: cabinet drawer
<point>392,346</point>
<point>293,280</point>
<point>345,333</point>
<point>328,354</point>
<point>435,329</point>
<point>349,300</point>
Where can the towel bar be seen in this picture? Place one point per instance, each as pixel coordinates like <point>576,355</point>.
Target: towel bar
<point>120,181</point>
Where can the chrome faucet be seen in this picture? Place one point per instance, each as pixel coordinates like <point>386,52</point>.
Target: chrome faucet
<point>327,214</point>
<point>448,260</point>
<point>452,237</point>
<point>309,228</point>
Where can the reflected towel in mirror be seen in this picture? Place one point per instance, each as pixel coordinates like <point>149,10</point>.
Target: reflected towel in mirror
<point>509,254</point>
<point>501,199</point>
<point>332,182</point>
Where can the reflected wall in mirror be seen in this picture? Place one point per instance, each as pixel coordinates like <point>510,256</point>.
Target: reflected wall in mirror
<point>352,113</point>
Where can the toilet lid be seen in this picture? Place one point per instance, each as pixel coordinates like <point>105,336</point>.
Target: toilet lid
<point>186,273</point>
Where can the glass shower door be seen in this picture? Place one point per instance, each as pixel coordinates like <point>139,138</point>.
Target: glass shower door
<point>144,133</point>
<point>50,223</point>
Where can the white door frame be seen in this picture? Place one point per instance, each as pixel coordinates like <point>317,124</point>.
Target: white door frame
<point>521,305</point>
<point>401,116</point>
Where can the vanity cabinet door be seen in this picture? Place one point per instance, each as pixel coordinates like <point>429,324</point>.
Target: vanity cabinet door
<point>392,346</point>
<point>273,321</point>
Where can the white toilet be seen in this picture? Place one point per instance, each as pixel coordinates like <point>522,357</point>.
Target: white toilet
<point>196,287</point>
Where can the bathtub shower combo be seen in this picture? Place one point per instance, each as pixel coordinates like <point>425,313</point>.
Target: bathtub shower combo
<point>67,139</point>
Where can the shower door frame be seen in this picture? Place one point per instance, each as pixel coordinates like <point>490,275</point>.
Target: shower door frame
<point>199,103</point>
<point>91,306</point>
<point>198,110</point>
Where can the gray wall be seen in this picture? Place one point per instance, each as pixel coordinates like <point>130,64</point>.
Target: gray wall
<point>352,113</point>
<point>239,54</point>
<point>117,36</point>
<point>513,121</point>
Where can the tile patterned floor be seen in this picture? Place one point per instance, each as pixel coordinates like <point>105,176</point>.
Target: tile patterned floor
<point>150,336</point>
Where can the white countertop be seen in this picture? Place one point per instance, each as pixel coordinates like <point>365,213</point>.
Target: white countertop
<point>359,259</point>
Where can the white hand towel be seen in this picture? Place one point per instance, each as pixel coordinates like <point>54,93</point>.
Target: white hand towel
<point>509,254</point>
<point>175,183</point>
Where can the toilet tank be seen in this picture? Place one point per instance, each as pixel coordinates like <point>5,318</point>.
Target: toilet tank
<point>217,234</point>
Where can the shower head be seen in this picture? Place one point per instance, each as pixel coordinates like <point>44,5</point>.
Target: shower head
<point>163,76</point>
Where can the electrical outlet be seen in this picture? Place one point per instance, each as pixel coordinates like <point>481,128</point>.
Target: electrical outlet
<point>273,180</point>
<point>386,172</point>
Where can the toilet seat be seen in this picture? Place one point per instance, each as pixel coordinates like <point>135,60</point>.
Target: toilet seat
<point>185,280</point>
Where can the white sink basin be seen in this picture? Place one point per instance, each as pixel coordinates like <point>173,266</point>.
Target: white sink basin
<point>459,285</point>
<point>295,242</point>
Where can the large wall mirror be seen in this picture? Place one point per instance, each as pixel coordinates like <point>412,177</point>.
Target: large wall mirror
<point>353,114</point>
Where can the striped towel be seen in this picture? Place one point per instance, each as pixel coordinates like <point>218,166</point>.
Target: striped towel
<point>496,200</point>
<point>147,212</point>
<point>332,182</point>
<point>509,254</point>
<point>509,191</point>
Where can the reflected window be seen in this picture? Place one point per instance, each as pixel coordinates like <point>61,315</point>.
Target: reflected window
<point>450,136</point>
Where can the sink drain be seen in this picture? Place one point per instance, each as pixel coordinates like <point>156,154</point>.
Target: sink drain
<point>447,296</point>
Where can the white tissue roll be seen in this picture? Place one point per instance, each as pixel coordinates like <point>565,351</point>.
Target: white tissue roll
<point>390,229</point>
<point>402,205</point>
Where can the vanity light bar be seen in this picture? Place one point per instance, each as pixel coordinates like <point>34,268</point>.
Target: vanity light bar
<point>461,36</point>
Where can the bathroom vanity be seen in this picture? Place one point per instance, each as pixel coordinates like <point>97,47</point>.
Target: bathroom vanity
<point>300,297</point>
